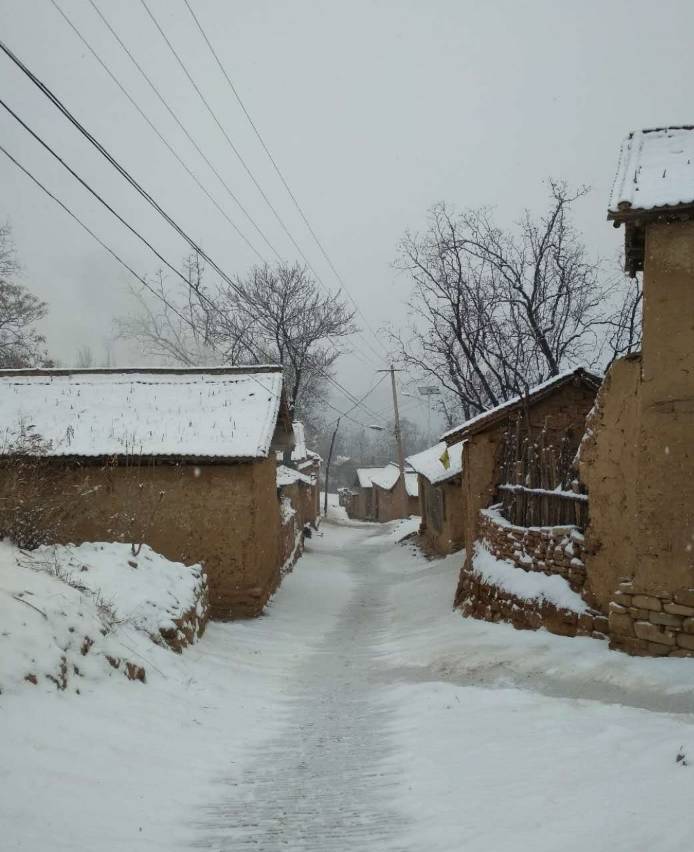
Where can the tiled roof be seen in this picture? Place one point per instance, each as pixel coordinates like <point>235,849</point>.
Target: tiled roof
<point>217,412</point>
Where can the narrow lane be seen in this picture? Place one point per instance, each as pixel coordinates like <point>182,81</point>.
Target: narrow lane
<point>327,782</point>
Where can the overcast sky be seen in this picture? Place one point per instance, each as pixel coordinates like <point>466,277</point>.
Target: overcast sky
<point>373,110</point>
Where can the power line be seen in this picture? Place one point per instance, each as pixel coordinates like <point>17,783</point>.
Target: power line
<point>280,174</point>
<point>154,128</point>
<point>183,128</point>
<point>76,218</point>
<point>113,254</point>
<point>216,120</point>
<point>361,399</point>
<point>128,177</point>
<point>240,158</point>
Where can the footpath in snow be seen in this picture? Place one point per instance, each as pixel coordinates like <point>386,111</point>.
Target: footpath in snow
<point>359,713</point>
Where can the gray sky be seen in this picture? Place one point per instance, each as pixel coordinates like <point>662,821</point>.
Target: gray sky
<point>374,111</point>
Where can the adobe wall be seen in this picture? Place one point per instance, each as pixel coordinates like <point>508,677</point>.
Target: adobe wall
<point>387,504</point>
<point>566,408</point>
<point>638,464</point>
<point>224,516</point>
<point>665,492</point>
<point>445,534</point>
<point>608,468</point>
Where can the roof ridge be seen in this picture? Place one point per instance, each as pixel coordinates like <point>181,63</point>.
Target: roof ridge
<point>241,369</point>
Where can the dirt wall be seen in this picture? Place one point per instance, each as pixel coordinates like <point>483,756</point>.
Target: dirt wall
<point>608,468</point>
<point>443,516</point>
<point>224,516</point>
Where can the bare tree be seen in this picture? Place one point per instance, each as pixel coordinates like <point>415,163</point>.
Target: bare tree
<point>289,322</point>
<point>21,345</point>
<point>272,315</point>
<point>84,358</point>
<point>496,312</point>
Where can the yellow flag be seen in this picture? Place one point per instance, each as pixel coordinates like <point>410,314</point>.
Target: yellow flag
<point>445,459</point>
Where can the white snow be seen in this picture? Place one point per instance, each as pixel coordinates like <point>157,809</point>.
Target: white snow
<point>528,585</point>
<point>216,413</point>
<point>363,713</point>
<point>59,623</point>
<point>365,475</point>
<point>429,464</point>
<point>656,169</point>
<point>411,484</point>
<point>148,591</point>
<point>288,476</point>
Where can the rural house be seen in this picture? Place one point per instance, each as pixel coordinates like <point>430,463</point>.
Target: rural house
<point>308,463</point>
<point>180,459</point>
<point>497,443</point>
<point>360,502</point>
<point>637,460</point>
<point>388,493</point>
<point>439,471</point>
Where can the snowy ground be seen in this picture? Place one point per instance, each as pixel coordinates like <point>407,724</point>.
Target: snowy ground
<point>360,713</point>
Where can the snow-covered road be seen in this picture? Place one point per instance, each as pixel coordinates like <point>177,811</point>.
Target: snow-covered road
<point>327,781</point>
<point>360,713</point>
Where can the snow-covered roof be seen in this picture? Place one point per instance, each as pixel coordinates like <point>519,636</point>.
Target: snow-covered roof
<point>656,169</point>
<point>428,463</point>
<point>288,476</point>
<point>387,476</point>
<point>366,474</point>
<point>200,413</point>
<point>411,485</point>
<point>487,418</point>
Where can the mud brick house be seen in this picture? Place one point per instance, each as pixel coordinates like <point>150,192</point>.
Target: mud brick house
<point>638,457</point>
<point>308,463</point>
<point>361,502</point>
<point>439,472</point>
<point>180,459</point>
<point>556,408</point>
<point>297,510</point>
<point>387,493</point>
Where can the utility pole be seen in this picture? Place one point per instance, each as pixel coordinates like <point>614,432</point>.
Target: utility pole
<point>398,438</point>
<point>327,466</point>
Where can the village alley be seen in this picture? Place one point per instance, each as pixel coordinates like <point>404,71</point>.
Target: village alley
<point>384,744</point>
<point>360,712</point>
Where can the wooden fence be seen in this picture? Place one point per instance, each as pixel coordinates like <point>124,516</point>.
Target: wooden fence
<point>541,507</point>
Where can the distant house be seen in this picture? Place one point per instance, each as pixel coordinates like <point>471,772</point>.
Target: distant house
<point>387,493</point>
<point>180,459</point>
<point>361,502</point>
<point>439,470</point>
<point>308,463</point>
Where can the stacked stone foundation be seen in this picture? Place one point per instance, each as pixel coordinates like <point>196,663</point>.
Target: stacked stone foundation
<point>545,550</point>
<point>548,550</point>
<point>655,624</point>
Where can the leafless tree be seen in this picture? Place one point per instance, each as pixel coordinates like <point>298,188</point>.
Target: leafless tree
<point>496,311</point>
<point>21,345</point>
<point>289,322</point>
<point>272,315</point>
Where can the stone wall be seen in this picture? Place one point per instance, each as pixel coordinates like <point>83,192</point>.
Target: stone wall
<point>660,624</point>
<point>548,550</point>
<point>487,602</point>
<point>545,550</point>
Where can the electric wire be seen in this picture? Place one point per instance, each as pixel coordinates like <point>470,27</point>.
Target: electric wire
<point>146,118</point>
<point>239,156</point>
<point>183,128</point>
<point>280,174</point>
